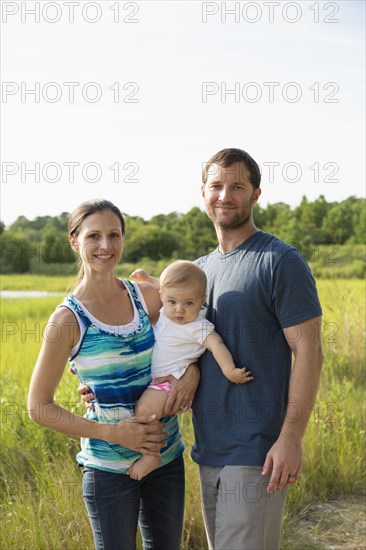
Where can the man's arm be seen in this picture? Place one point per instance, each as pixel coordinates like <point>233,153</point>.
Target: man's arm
<point>181,394</point>
<point>285,456</point>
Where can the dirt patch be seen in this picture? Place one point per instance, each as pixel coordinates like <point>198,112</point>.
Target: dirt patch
<point>333,525</point>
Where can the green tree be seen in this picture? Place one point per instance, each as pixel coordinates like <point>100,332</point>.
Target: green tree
<point>337,224</point>
<point>20,262</point>
<point>310,216</point>
<point>14,253</point>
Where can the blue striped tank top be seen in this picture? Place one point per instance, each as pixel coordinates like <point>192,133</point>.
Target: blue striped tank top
<point>117,367</point>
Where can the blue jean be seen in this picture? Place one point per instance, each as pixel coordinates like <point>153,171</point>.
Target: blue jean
<point>116,503</point>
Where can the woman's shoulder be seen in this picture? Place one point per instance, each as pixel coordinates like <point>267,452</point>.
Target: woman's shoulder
<point>146,287</point>
<point>148,290</point>
<point>152,298</point>
<point>63,315</point>
<point>62,327</point>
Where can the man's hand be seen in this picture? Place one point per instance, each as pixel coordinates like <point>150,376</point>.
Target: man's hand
<point>86,396</point>
<point>181,394</point>
<point>140,275</point>
<point>284,459</point>
<point>182,391</point>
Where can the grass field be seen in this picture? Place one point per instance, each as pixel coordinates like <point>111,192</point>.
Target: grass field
<point>41,503</point>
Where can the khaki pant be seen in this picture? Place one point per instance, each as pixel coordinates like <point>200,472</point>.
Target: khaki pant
<point>238,512</point>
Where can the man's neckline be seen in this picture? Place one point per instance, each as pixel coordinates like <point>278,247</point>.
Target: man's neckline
<point>239,245</point>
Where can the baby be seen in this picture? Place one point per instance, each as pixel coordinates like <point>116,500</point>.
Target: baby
<point>182,334</point>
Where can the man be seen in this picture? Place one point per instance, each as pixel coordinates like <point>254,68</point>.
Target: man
<point>262,299</point>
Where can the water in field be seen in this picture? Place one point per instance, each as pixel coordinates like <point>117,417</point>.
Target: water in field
<point>27,294</point>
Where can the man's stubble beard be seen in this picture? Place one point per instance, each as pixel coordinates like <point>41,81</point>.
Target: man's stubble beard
<point>238,221</point>
<point>234,224</point>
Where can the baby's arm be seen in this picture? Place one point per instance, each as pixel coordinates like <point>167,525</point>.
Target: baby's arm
<point>142,276</point>
<point>224,358</point>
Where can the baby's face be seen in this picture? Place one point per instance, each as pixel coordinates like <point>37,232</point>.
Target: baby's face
<point>182,303</point>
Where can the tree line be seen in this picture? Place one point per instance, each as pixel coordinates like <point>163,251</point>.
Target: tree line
<point>37,245</point>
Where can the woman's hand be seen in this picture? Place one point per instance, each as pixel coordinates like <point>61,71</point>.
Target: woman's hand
<point>182,391</point>
<point>143,434</point>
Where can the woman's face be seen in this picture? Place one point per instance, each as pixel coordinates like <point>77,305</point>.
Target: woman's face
<point>99,241</point>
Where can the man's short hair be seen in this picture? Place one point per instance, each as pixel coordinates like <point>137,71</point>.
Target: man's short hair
<point>227,157</point>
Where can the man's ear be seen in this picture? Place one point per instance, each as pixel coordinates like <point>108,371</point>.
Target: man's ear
<point>204,299</point>
<point>256,195</point>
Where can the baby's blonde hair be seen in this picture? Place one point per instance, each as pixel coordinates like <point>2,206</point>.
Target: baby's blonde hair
<point>182,272</point>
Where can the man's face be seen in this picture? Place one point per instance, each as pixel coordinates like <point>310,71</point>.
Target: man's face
<point>229,196</point>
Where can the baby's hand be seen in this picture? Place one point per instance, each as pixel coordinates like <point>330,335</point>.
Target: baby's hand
<point>140,275</point>
<point>239,376</point>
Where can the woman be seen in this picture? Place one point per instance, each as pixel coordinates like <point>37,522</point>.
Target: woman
<point>104,330</point>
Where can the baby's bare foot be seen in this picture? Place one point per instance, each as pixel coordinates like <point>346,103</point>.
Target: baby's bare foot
<point>143,466</point>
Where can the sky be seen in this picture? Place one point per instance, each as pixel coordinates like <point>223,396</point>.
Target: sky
<point>128,100</point>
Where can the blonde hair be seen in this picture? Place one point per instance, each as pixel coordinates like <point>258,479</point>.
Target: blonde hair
<point>182,272</point>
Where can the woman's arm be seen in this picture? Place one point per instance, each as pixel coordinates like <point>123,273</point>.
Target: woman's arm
<point>136,434</point>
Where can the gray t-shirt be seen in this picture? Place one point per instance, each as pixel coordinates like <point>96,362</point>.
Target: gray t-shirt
<point>253,293</point>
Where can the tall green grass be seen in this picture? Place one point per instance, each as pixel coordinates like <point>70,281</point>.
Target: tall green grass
<point>327,262</point>
<point>64,283</point>
<point>40,484</point>
<point>36,282</point>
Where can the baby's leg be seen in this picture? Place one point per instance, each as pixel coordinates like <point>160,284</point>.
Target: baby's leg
<point>151,402</point>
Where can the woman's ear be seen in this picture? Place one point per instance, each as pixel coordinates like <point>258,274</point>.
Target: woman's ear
<point>74,243</point>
